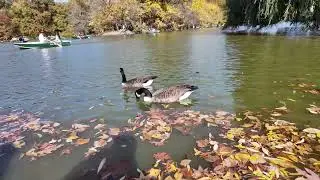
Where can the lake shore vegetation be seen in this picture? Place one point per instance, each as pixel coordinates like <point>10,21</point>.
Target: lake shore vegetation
<point>29,18</point>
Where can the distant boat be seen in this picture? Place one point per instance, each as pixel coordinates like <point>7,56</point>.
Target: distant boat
<point>49,44</point>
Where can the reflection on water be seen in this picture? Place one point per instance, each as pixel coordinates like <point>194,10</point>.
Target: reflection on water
<point>233,73</point>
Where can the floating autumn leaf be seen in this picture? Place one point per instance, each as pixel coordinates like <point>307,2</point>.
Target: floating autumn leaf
<point>242,157</point>
<point>82,141</point>
<point>72,136</point>
<point>103,136</point>
<point>19,144</point>
<point>203,143</point>
<point>224,150</point>
<point>91,151</point>
<point>100,143</point>
<point>229,162</point>
<point>114,131</point>
<point>66,151</point>
<point>276,114</point>
<point>80,127</point>
<point>56,124</point>
<point>163,156</point>
<point>170,167</point>
<point>283,108</point>
<point>311,130</point>
<point>154,172</point>
<point>100,126</point>
<point>257,159</point>
<point>313,109</point>
<point>235,132</point>
<point>178,176</point>
<point>185,162</point>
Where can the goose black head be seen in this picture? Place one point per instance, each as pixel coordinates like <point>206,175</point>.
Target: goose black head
<point>143,91</point>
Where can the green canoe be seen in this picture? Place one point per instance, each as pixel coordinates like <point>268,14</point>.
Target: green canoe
<point>29,45</point>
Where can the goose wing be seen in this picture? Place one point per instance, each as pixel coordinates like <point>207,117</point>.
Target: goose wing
<point>140,80</point>
<point>173,93</point>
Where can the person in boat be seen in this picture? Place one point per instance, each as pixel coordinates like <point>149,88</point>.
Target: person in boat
<point>21,39</point>
<point>42,38</point>
<point>58,38</point>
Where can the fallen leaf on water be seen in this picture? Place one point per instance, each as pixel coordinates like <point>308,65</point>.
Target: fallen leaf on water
<point>19,144</point>
<point>202,143</point>
<point>314,109</point>
<point>154,172</point>
<point>66,151</point>
<point>80,127</point>
<point>224,150</point>
<point>168,178</point>
<point>163,156</point>
<point>242,157</point>
<point>100,126</point>
<point>91,151</point>
<point>114,131</point>
<point>185,162</point>
<point>99,143</point>
<point>178,176</point>
<point>257,159</point>
<point>56,124</point>
<point>311,130</point>
<point>103,136</point>
<point>82,141</point>
<point>309,174</point>
<point>265,151</point>
<point>276,114</point>
<point>72,136</point>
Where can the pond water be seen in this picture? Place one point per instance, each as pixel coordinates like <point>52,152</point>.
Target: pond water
<point>234,73</point>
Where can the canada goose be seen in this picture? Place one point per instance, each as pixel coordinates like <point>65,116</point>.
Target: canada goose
<point>167,95</point>
<point>144,81</point>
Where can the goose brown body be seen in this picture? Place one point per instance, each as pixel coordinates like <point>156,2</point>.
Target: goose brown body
<point>143,81</point>
<point>167,95</point>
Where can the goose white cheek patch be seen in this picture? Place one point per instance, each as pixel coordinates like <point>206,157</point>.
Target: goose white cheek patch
<point>138,95</point>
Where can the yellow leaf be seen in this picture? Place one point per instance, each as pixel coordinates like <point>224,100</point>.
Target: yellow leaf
<point>293,158</point>
<point>168,178</point>
<point>242,157</point>
<point>171,168</point>
<point>72,136</point>
<point>257,159</point>
<point>157,136</point>
<point>19,144</point>
<point>154,172</point>
<point>178,176</point>
<point>281,162</point>
<point>196,152</point>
